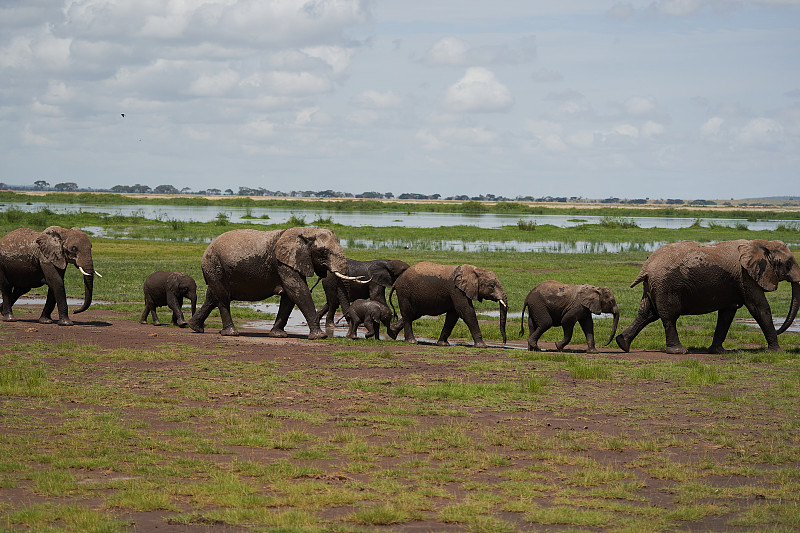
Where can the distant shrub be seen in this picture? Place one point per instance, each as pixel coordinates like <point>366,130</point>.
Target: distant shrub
<point>222,219</point>
<point>526,225</point>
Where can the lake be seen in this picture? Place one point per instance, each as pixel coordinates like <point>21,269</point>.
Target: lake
<point>373,218</point>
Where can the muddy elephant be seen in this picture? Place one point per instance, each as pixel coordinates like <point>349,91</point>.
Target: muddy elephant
<point>30,259</point>
<point>432,289</point>
<point>252,265</point>
<point>690,278</point>
<point>380,274</point>
<point>168,288</point>
<point>372,314</point>
<point>552,303</point>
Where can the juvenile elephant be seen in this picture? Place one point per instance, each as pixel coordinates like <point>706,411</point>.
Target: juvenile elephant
<point>29,259</point>
<point>380,274</point>
<point>168,288</point>
<point>690,278</point>
<point>372,314</point>
<point>432,289</point>
<point>252,265</point>
<point>552,303</point>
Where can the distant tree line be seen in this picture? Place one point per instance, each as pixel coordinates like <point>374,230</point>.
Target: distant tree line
<point>42,185</point>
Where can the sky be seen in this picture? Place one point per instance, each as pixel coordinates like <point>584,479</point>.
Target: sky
<point>591,98</point>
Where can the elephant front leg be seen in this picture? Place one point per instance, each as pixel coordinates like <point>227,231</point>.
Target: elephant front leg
<point>372,329</point>
<point>352,332</point>
<point>471,320</point>
<point>587,325</point>
<point>724,320</point>
<point>55,298</point>
<point>175,303</point>
<point>763,315</point>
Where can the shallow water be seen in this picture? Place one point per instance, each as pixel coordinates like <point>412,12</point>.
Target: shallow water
<point>373,218</point>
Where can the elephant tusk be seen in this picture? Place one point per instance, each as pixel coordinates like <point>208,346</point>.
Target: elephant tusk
<point>350,278</point>
<point>87,274</point>
<point>504,304</point>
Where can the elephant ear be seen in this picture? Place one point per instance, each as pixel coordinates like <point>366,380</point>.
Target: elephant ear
<point>294,249</point>
<point>754,257</point>
<point>380,275</point>
<point>466,279</point>
<point>589,297</point>
<point>51,246</point>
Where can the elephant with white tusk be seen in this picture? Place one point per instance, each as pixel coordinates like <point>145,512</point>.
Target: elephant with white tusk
<point>690,278</point>
<point>29,259</point>
<point>432,289</point>
<point>552,303</point>
<point>252,265</point>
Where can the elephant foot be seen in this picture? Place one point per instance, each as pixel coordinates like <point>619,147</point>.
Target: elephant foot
<point>411,340</point>
<point>623,343</point>
<point>444,343</point>
<point>480,344</point>
<point>591,350</point>
<point>533,348</point>
<point>679,349</point>
<point>330,330</point>
<point>8,318</point>
<point>716,350</point>
<point>277,333</point>
<point>143,322</point>
<point>45,320</point>
<point>64,322</point>
<point>182,324</point>
<point>156,323</point>
<point>559,346</point>
<point>230,331</point>
<point>316,335</point>
<point>196,326</point>
<point>774,348</point>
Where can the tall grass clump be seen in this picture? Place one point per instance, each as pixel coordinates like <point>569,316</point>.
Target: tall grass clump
<point>526,225</point>
<point>295,220</point>
<point>223,219</point>
<point>610,222</point>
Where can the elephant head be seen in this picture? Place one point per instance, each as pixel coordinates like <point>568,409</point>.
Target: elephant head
<point>383,274</point>
<point>60,246</point>
<point>184,286</point>
<point>312,251</point>
<point>769,262</point>
<point>600,300</point>
<point>479,284</point>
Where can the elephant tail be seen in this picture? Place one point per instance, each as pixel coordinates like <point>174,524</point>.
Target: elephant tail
<point>522,320</point>
<point>640,278</point>
<point>391,291</point>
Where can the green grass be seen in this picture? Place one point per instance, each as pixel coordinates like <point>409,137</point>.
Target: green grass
<point>375,435</point>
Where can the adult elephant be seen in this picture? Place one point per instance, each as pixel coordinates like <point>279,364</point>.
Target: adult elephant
<point>380,275</point>
<point>432,289</point>
<point>689,278</point>
<point>252,265</point>
<point>30,259</point>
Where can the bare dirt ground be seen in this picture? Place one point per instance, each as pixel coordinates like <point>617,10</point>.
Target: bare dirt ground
<point>599,421</point>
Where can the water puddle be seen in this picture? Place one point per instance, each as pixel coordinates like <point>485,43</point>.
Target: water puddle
<point>794,328</point>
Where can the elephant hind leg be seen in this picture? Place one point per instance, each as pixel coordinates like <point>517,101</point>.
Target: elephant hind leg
<point>674,345</point>
<point>568,328</point>
<point>198,320</point>
<point>645,316</point>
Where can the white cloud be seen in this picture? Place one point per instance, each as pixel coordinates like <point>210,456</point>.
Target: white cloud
<point>297,83</point>
<point>652,129</point>
<point>377,100</point>
<point>215,84</point>
<point>469,136</point>
<point>760,131</point>
<point>712,126</point>
<point>34,139</point>
<point>547,133</point>
<point>429,141</point>
<point>478,91</point>
<point>639,105</point>
<point>336,57</point>
<point>457,52</point>
<point>258,129</point>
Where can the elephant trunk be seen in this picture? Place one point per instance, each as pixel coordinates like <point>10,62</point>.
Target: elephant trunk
<point>503,316</point>
<point>792,308</point>
<point>614,325</point>
<point>88,289</point>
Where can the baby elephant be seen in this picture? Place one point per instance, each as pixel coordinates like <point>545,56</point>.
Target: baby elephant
<point>168,288</point>
<point>372,313</point>
<point>552,303</point>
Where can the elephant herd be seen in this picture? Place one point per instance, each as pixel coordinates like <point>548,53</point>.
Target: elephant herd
<point>682,278</point>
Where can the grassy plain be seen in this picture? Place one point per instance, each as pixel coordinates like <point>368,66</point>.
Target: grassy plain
<point>193,434</point>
